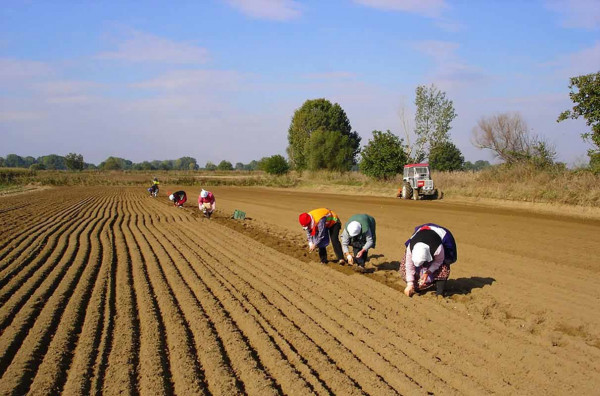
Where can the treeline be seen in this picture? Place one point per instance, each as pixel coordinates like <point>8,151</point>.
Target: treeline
<point>73,161</point>
<point>70,161</point>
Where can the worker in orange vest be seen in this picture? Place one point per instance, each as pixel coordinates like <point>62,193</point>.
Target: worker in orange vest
<point>322,225</point>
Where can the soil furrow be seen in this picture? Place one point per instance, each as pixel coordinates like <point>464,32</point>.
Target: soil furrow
<point>340,382</point>
<point>34,255</point>
<point>123,358</point>
<point>345,358</point>
<point>21,313</point>
<point>23,236</point>
<point>80,375</point>
<point>35,341</point>
<point>242,356</point>
<point>185,369</point>
<point>289,349</point>
<point>52,372</point>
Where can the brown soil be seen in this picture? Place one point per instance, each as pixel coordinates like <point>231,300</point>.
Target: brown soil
<point>108,290</point>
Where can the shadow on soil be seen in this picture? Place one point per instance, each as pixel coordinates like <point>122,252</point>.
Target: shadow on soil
<point>388,265</point>
<point>466,285</point>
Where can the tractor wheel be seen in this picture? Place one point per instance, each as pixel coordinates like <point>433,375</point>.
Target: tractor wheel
<point>407,191</point>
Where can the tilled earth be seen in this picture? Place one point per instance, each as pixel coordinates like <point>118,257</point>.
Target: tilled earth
<point>106,290</point>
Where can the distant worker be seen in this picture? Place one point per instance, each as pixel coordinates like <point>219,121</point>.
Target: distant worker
<point>207,203</point>
<point>429,253</point>
<point>153,190</point>
<point>360,234</point>
<point>322,226</point>
<point>178,198</point>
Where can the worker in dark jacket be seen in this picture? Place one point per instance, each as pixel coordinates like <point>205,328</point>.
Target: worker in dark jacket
<point>178,198</point>
<point>360,234</point>
<point>429,253</point>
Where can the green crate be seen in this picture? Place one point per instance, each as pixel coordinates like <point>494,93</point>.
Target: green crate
<point>239,215</point>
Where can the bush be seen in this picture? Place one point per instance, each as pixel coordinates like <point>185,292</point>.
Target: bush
<point>383,157</point>
<point>275,165</point>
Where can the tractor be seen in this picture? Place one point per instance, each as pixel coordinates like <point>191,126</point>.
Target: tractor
<point>417,183</point>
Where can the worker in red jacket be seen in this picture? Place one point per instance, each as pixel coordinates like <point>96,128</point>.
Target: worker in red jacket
<point>207,203</point>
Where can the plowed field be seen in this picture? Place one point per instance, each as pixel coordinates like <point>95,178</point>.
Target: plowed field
<point>106,290</point>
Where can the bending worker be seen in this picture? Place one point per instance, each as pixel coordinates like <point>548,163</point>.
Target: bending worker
<point>322,225</point>
<point>360,234</point>
<point>207,203</point>
<point>429,253</point>
<point>178,198</point>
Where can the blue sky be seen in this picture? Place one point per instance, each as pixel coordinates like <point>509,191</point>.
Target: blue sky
<point>220,79</point>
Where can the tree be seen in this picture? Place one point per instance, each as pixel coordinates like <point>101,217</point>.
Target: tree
<point>506,135</point>
<point>210,166</point>
<point>112,163</point>
<point>585,93</point>
<point>477,166</point>
<point>432,120</point>
<point>329,150</point>
<point>313,115</point>
<point>239,166</point>
<point>74,161</point>
<point>384,156</point>
<point>225,166</point>
<point>445,156</point>
<point>251,166</point>
<point>275,165</point>
<point>14,161</point>
<point>53,162</point>
<point>37,167</point>
<point>185,163</point>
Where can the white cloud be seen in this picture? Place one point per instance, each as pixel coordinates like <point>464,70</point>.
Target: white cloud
<point>194,80</point>
<point>144,47</point>
<point>577,13</point>
<point>14,69</point>
<point>337,75</point>
<point>16,116</point>
<point>278,10</point>
<point>428,8</point>
<point>449,71</point>
<point>584,61</point>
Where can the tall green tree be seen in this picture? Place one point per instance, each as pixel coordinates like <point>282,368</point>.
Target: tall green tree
<point>384,156</point>
<point>445,156</point>
<point>313,115</point>
<point>74,161</point>
<point>330,150</point>
<point>432,120</point>
<point>225,166</point>
<point>53,162</point>
<point>210,166</point>
<point>585,93</point>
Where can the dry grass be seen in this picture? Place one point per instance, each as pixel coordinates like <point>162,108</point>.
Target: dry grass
<point>524,184</point>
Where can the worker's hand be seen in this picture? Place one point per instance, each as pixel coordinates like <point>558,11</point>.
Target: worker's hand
<point>311,246</point>
<point>360,253</point>
<point>424,279</point>
<point>350,258</point>
<point>409,290</point>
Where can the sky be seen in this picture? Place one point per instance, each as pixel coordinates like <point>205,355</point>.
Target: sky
<point>221,79</point>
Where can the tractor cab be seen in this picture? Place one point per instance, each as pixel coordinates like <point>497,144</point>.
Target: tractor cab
<point>417,182</point>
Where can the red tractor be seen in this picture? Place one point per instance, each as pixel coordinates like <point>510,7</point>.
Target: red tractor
<point>417,183</point>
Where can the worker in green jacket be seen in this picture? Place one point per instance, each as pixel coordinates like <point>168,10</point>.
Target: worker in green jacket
<point>360,234</point>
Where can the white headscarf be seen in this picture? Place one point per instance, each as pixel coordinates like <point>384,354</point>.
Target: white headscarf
<point>421,254</point>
